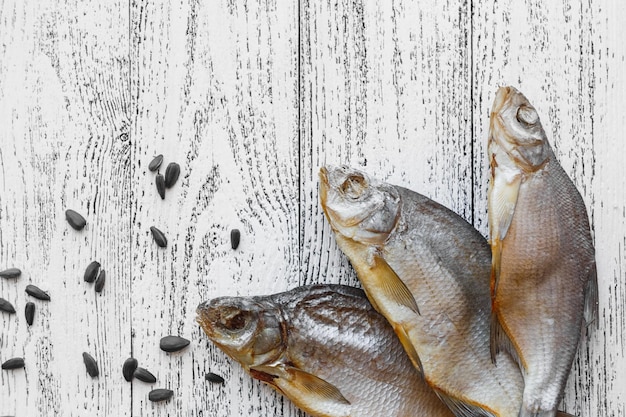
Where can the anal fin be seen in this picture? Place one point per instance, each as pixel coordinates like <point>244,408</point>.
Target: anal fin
<point>307,391</point>
<point>500,341</point>
<point>409,348</point>
<point>463,409</point>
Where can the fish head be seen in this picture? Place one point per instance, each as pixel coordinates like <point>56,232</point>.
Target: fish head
<point>515,128</point>
<point>248,330</point>
<point>357,206</point>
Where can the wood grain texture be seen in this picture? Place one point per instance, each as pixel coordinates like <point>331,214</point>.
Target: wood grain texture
<point>375,78</point>
<point>64,114</point>
<point>251,98</point>
<point>214,88</point>
<point>561,56</point>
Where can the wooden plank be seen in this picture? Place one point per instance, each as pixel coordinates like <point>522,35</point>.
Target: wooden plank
<point>214,89</point>
<point>385,87</point>
<point>64,144</point>
<point>559,54</point>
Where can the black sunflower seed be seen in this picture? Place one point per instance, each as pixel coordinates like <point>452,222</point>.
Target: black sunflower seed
<point>159,237</point>
<point>155,163</point>
<point>14,363</point>
<point>160,184</point>
<point>129,368</point>
<point>173,343</point>
<point>29,312</point>
<point>10,273</point>
<point>100,281</point>
<point>160,394</point>
<point>75,220</point>
<point>92,271</point>
<point>144,375</point>
<point>215,378</point>
<point>6,306</point>
<point>235,237</point>
<point>171,174</point>
<point>37,293</point>
<point>91,365</point>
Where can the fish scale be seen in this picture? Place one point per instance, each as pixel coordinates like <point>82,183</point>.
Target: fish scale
<point>544,284</point>
<point>413,243</point>
<point>333,339</point>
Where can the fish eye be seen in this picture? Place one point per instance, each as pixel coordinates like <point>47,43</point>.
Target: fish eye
<point>234,320</point>
<point>527,115</point>
<point>354,186</point>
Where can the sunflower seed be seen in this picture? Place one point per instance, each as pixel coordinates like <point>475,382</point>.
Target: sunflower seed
<point>91,365</point>
<point>37,293</point>
<point>173,343</point>
<point>75,220</point>
<point>159,237</point>
<point>211,377</point>
<point>155,163</point>
<point>129,368</point>
<point>92,271</point>
<point>235,237</point>
<point>160,184</point>
<point>160,394</point>
<point>10,273</point>
<point>6,306</point>
<point>29,311</point>
<point>144,375</point>
<point>171,174</point>
<point>14,363</point>
<point>100,281</point>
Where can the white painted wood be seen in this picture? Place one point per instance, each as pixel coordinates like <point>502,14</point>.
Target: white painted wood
<point>64,144</point>
<point>250,98</point>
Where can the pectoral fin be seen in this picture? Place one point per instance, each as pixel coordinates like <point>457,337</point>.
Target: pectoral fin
<point>390,285</point>
<point>503,194</point>
<point>307,391</point>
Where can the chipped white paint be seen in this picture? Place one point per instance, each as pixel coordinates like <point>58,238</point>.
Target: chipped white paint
<point>250,98</point>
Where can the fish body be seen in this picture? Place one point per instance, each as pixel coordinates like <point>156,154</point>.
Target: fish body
<point>427,271</point>
<point>543,284</point>
<point>399,240</point>
<point>325,348</point>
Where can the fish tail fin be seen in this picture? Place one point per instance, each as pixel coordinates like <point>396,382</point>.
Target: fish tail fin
<point>591,299</point>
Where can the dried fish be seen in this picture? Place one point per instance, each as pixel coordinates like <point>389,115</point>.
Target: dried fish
<point>36,292</point>
<point>92,271</point>
<point>75,220</point>
<point>543,280</point>
<point>173,343</point>
<point>324,347</point>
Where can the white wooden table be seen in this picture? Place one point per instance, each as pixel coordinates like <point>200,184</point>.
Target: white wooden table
<point>251,97</point>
